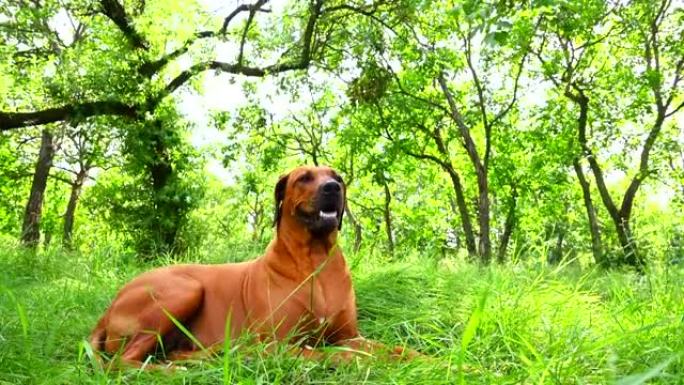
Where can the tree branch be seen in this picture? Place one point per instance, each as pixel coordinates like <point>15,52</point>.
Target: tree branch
<point>114,10</point>
<point>10,120</point>
<point>661,111</point>
<point>61,179</point>
<point>482,102</point>
<point>303,61</point>
<point>242,8</point>
<point>370,13</point>
<point>677,77</point>
<point>458,118</point>
<point>514,98</point>
<point>152,67</point>
<point>675,110</point>
<point>248,24</point>
<point>116,13</point>
<point>643,172</point>
<point>432,158</point>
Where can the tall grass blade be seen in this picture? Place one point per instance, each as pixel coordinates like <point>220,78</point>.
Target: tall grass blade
<point>21,313</point>
<point>227,370</point>
<point>469,333</point>
<point>642,378</point>
<point>184,330</point>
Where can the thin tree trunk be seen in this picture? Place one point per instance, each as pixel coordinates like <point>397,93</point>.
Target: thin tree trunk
<point>555,254</point>
<point>485,246</point>
<point>447,166</point>
<point>508,228</point>
<point>485,249</point>
<point>257,218</point>
<point>632,255</point>
<point>454,209</point>
<point>559,242</point>
<point>358,231</point>
<point>388,219</point>
<point>463,212</point>
<point>30,231</point>
<point>161,170</point>
<point>594,228</point>
<point>620,217</point>
<point>629,247</point>
<point>76,187</point>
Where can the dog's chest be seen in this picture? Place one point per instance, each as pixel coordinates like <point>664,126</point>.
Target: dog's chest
<point>326,299</point>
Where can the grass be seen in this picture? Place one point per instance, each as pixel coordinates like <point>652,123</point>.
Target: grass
<point>503,325</point>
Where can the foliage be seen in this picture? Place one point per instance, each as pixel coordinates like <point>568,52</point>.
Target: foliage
<point>147,216</point>
<point>482,102</point>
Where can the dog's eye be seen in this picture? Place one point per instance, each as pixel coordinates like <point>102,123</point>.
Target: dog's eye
<point>337,178</point>
<point>306,178</point>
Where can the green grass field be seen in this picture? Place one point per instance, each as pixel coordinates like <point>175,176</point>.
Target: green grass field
<point>497,325</point>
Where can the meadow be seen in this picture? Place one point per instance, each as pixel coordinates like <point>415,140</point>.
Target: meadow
<point>513,178</point>
<point>527,323</point>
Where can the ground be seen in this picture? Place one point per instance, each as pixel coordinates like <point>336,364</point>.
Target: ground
<point>527,323</point>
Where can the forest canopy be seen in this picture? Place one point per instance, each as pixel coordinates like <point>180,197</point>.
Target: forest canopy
<point>499,131</point>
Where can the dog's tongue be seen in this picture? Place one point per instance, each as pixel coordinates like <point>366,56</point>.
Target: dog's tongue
<point>327,214</point>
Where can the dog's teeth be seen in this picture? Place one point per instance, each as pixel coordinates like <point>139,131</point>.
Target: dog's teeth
<point>331,214</point>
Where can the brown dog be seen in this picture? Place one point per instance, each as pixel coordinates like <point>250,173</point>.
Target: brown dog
<point>299,291</point>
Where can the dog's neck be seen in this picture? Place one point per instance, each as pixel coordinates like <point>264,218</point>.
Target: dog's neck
<point>300,253</point>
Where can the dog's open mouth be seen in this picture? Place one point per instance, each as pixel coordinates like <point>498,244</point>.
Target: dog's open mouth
<point>322,219</point>
<point>322,215</point>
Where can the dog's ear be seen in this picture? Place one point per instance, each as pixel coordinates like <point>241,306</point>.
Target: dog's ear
<point>279,196</point>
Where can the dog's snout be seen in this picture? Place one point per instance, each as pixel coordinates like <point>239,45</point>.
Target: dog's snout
<point>331,187</point>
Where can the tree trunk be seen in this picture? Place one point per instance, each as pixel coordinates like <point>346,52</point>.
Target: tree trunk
<point>508,228</point>
<point>620,216</point>
<point>76,187</point>
<point>485,249</point>
<point>166,209</point>
<point>30,231</point>
<point>627,241</point>
<point>463,212</point>
<point>629,247</point>
<point>594,228</point>
<point>358,230</point>
<point>560,237</point>
<point>388,219</point>
<point>485,246</point>
<point>555,254</point>
<point>257,218</point>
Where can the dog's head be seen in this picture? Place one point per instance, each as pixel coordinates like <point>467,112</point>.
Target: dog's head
<point>314,197</point>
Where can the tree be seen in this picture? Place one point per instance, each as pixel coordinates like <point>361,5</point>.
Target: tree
<point>137,88</point>
<point>83,149</point>
<point>442,117</point>
<point>30,229</point>
<point>147,65</point>
<point>580,56</point>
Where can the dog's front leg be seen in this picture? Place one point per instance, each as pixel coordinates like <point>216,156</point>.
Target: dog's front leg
<point>365,347</point>
<point>343,332</point>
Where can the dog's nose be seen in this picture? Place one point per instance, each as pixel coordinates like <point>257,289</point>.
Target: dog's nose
<point>331,187</point>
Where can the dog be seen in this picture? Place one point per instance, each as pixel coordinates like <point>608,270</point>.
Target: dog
<point>300,291</point>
